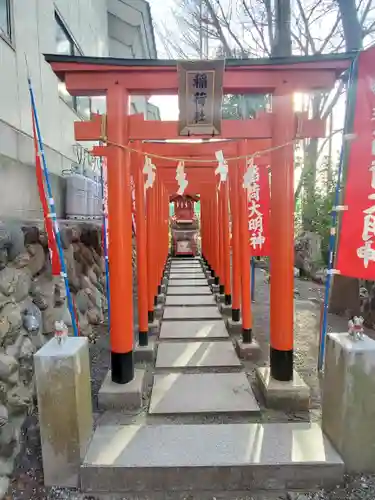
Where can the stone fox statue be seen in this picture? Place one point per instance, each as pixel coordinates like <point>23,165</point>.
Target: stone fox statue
<point>355,325</point>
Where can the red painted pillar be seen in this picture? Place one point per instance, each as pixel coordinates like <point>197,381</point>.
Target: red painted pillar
<point>141,237</point>
<point>226,242</point>
<point>236,264</point>
<point>245,255</point>
<point>151,261</point>
<point>215,234</point>
<point>282,238</point>
<point>221,242</point>
<point>120,239</point>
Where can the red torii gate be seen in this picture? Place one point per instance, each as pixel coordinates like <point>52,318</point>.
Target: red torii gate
<point>117,78</point>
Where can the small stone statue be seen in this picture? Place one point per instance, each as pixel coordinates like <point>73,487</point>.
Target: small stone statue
<point>61,331</point>
<point>355,326</point>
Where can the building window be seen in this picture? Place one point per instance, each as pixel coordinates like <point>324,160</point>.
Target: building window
<point>65,45</point>
<point>6,19</point>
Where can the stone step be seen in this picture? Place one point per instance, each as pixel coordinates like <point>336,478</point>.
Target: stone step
<point>190,300</point>
<point>191,313</point>
<point>211,457</point>
<point>188,282</point>
<point>193,330</point>
<point>202,393</point>
<point>191,276</point>
<point>188,290</point>
<point>191,355</point>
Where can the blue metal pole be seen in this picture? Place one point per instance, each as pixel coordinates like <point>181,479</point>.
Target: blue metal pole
<point>252,279</point>
<point>105,244</point>
<point>332,236</point>
<point>52,212</point>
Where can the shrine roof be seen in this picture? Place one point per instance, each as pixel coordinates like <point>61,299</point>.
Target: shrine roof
<point>336,62</point>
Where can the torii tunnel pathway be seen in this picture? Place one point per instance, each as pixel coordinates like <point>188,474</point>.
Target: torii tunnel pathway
<point>197,373</point>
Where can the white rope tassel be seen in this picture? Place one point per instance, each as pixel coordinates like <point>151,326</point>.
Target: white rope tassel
<point>181,178</point>
<point>149,170</point>
<point>222,168</point>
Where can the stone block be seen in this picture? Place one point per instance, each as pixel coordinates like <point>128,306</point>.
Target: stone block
<point>122,396</point>
<point>348,402</point>
<point>184,393</point>
<point>193,330</point>
<point>225,310</point>
<point>163,289</point>
<point>191,313</point>
<point>154,327</point>
<point>190,300</point>
<point>293,395</point>
<point>145,354</point>
<point>220,298</point>
<point>158,311</point>
<point>165,282</point>
<point>189,282</point>
<point>161,298</point>
<point>233,327</point>
<point>147,461</point>
<point>185,355</point>
<point>215,288</point>
<point>188,290</point>
<point>62,375</point>
<point>210,280</point>
<point>248,351</point>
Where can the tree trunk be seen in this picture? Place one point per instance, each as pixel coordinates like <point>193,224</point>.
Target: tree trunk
<point>350,24</point>
<point>344,297</point>
<point>282,46</point>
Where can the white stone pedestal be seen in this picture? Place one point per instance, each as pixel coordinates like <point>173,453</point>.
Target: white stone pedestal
<point>62,373</point>
<point>348,407</point>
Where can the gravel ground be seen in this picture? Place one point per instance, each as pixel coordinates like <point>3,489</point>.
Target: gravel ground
<point>27,480</point>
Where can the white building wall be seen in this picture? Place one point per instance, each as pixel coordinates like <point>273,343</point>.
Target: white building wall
<point>34,33</point>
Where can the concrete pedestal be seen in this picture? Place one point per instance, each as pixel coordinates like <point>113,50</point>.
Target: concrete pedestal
<point>154,327</point>
<point>159,309</point>
<point>220,298</point>
<point>215,288</point>
<point>233,327</point>
<point>145,354</point>
<point>348,406</point>
<point>62,374</point>
<point>225,310</point>
<point>122,396</point>
<point>247,351</point>
<point>293,395</point>
<point>161,298</point>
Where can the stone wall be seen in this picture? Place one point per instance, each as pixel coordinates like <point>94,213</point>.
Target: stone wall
<point>31,300</point>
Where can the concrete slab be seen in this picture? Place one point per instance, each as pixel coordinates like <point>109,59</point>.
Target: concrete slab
<point>248,351</point>
<point>188,313</point>
<point>154,327</point>
<point>233,327</point>
<point>225,310</point>
<point>294,395</point>
<point>186,393</point>
<point>122,396</point>
<point>185,355</point>
<point>188,282</point>
<point>221,457</point>
<point>193,330</point>
<point>183,265</point>
<point>145,354</point>
<point>189,276</point>
<point>190,300</point>
<point>188,290</point>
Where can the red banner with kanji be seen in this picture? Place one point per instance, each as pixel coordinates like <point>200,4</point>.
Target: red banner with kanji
<point>259,211</point>
<point>356,244</point>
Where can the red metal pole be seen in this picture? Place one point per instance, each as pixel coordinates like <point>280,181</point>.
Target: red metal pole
<point>245,255</point>
<point>120,240</point>
<point>236,263</point>
<point>282,238</point>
